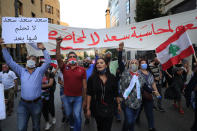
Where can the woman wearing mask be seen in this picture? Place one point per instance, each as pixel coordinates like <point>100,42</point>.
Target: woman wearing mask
<point>130,88</point>
<point>148,87</point>
<point>102,88</point>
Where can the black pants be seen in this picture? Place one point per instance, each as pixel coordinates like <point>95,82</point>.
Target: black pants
<point>194,127</point>
<point>52,105</point>
<point>104,123</point>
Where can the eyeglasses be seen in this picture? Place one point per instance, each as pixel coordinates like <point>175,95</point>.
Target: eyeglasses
<point>72,56</point>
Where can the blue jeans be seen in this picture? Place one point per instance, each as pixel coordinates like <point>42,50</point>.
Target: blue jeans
<point>130,116</point>
<point>148,108</point>
<point>73,108</point>
<point>27,110</point>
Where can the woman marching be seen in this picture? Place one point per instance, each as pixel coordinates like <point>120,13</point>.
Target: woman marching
<point>130,88</point>
<point>102,90</point>
<point>149,88</point>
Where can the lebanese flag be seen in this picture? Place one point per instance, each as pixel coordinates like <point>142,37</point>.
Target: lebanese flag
<point>176,48</point>
<point>53,62</point>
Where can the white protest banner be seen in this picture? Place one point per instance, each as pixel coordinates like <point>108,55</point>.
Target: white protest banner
<point>2,103</point>
<point>147,35</point>
<point>24,30</point>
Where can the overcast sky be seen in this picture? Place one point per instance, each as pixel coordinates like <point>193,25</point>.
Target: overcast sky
<point>83,13</point>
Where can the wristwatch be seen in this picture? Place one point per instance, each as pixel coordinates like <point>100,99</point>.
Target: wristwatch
<point>43,49</point>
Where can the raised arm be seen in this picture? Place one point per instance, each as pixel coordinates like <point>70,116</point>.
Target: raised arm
<point>47,57</point>
<point>7,57</point>
<point>58,53</point>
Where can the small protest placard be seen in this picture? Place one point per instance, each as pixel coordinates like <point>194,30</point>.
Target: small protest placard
<point>24,30</point>
<point>2,103</point>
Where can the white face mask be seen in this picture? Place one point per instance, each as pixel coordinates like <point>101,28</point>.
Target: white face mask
<point>133,67</point>
<point>31,64</point>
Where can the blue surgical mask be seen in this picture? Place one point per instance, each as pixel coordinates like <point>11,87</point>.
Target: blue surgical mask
<point>144,66</point>
<point>102,72</point>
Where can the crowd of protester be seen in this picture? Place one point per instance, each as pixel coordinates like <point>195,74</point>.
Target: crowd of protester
<point>101,89</point>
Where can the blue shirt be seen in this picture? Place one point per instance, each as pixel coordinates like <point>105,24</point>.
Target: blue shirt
<point>31,84</point>
<point>91,68</point>
<point>89,71</point>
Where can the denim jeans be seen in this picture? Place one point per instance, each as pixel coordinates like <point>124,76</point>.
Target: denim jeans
<point>27,110</point>
<point>148,108</point>
<point>130,116</point>
<point>73,108</point>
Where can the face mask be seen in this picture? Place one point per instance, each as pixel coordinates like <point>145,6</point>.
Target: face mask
<point>144,66</point>
<point>86,64</point>
<point>72,61</point>
<point>134,67</point>
<point>31,64</point>
<point>102,72</point>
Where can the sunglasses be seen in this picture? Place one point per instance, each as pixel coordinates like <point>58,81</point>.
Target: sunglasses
<point>72,56</point>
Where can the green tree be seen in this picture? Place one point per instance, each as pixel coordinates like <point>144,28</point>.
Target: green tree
<point>148,9</point>
<point>85,54</point>
<point>113,51</point>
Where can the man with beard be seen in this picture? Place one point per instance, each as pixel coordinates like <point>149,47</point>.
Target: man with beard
<point>156,70</point>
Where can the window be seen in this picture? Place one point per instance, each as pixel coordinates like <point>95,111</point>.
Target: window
<point>49,9</point>
<point>128,21</point>
<point>58,13</point>
<point>20,8</point>
<point>32,1</point>
<point>128,6</point>
<point>33,14</point>
<point>50,20</point>
<point>41,4</point>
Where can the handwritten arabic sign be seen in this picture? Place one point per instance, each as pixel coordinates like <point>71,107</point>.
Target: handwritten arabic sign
<point>147,35</point>
<point>24,30</point>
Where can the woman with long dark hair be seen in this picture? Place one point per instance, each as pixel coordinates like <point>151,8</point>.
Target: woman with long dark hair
<point>102,90</point>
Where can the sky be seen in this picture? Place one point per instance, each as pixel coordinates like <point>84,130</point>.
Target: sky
<point>83,13</point>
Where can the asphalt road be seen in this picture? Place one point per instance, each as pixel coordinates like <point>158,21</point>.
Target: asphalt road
<point>171,120</point>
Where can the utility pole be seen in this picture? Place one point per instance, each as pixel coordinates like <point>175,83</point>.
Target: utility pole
<point>18,46</point>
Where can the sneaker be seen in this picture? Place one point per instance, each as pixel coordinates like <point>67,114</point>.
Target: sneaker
<point>53,121</point>
<point>48,126</point>
<point>71,128</point>
<point>181,111</point>
<point>161,109</point>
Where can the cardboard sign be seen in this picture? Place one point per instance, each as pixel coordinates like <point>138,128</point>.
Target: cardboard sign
<point>24,30</point>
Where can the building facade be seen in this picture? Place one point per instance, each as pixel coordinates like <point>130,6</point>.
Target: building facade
<point>51,10</point>
<point>122,12</point>
<point>28,8</point>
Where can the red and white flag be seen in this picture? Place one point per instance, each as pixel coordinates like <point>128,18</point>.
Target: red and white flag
<point>53,62</point>
<point>176,48</point>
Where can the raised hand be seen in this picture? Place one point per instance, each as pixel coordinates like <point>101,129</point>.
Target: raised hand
<point>59,40</point>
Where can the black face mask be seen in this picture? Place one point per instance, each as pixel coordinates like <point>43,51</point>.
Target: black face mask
<point>86,64</point>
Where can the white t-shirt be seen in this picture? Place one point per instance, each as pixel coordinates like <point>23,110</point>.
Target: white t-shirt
<point>7,79</point>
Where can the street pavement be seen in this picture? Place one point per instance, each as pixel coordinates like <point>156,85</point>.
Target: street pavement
<point>171,120</point>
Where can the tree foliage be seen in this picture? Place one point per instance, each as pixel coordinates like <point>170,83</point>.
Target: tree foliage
<point>148,9</point>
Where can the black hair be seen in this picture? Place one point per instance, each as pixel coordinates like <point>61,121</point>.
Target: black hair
<point>72,52</point>
<point>95,71</point>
